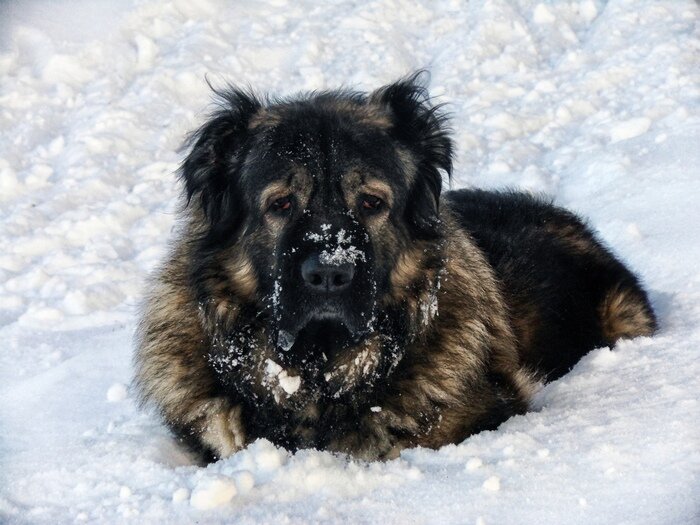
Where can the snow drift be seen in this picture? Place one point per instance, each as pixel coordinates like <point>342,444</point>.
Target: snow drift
<point>594,103</point>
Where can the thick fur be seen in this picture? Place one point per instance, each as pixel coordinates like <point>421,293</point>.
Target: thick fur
<point>440,314</point>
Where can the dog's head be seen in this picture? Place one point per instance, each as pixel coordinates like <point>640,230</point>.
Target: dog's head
<point>319,210</point>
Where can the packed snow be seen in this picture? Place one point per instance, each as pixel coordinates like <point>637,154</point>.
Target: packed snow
<point>594,103</point>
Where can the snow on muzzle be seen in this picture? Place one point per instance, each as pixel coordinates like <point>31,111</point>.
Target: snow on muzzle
<point>327,278</point>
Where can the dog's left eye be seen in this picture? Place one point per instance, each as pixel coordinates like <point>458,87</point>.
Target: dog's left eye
<point>281,205</point>
<point>371,203</point>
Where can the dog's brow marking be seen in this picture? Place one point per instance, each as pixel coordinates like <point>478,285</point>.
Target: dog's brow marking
<point>297,183</point>
<point>380,189</point>
<point>355,183</point>
<point>272,191</point>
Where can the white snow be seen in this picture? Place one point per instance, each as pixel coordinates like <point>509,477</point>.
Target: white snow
<point>180,495</point>
<point>492,484</point>
<point>629,129</point>
<point>213,492</point>
<point>542,15</point>
<point>117,392</point>
<point>473,464</point>
<point>272,369</point>
<point>594,103</point>
<point>342,255</point>
<point>276,375</point>
<point>289,384</point>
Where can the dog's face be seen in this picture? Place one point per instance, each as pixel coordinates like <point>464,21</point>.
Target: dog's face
<point>324,194</point>
<point>312,208</point>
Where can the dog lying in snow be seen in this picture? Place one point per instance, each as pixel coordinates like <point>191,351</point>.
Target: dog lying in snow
<point>323,292</point>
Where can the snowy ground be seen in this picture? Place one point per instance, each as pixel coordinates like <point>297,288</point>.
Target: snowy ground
<point>595,103</point>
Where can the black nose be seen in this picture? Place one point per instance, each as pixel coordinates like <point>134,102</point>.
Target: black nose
<point>326,277</point>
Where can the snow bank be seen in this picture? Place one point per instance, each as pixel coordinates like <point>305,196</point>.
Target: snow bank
<point>595,103</point>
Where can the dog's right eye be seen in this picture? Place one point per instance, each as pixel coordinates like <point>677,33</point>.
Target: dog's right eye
<point>281,205</point>
<point>370,203</point>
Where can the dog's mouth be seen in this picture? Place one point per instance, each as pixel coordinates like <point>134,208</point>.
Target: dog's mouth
<point>329,322</point>
<point>319,339</point>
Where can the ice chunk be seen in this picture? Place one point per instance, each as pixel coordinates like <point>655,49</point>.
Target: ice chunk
<point>289,384</point>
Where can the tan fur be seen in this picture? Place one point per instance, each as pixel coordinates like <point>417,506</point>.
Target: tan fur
<point>575,239</point>
<point>445,392</point>
<point>625,315</point>
<point>223,431</point>
<point>369,115</point>
<point>355,182</point>
<point>273,191</point>
<point>527,382</point>
<point>171,370</point>
<point>407,270</point>
<point>264,118</point>
<point>243,277</point>
<point>299,185</point>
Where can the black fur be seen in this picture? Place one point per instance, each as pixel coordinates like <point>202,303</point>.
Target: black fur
<point>422,128</point>
<point>519,235</point>
<point>210,172</point>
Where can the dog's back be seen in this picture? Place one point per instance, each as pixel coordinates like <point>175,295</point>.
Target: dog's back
<point>567,292</point>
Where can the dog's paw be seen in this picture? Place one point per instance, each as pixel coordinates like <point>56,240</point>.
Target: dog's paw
<point>372,441</point>
<point>223,430</point>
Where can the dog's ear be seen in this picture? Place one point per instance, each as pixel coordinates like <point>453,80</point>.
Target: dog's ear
<point>217,150</point>
<point>420,127</point>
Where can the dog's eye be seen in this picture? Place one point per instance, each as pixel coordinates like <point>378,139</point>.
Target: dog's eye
<point>371,203</point>
<point>281,205</point>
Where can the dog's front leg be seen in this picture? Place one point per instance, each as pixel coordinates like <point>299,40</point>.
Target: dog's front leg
<point>378,435</point>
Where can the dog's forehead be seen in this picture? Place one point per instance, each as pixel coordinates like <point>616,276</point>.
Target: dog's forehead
<point>324,146</point>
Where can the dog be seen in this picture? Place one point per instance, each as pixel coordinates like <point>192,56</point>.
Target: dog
<point>323,292</point>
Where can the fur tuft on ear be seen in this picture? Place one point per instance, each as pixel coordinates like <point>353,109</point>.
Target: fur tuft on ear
<point>420,127</point>
<point>217,150</point>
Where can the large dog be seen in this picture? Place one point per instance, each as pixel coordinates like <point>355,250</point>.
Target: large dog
<point>323,293</point>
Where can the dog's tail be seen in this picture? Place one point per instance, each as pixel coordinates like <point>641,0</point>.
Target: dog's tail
<point>625,313</point>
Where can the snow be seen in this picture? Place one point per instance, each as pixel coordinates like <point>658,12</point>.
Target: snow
<point>473,464</point>
<point>492,484</point>
<point>117,392</point>
<point>214,492</point>
<point>289,384</point>
<point>595,103</point>
<point>340,250</point>
<point>275,374</point>
<point>629,129</point>
<point>542,15</point>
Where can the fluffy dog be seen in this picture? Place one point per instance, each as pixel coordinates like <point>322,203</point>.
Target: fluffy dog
<point>323,293</point>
